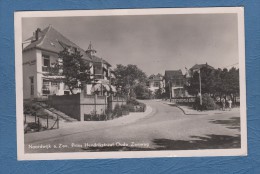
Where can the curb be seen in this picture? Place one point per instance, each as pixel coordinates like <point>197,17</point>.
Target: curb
<point>177,106</point>
<point>185,113</point>
<point>188,113</point>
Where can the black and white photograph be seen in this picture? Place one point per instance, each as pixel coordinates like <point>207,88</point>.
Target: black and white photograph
<point>130,83</point>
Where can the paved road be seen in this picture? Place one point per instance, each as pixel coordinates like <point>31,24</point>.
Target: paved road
<point>165,128</point>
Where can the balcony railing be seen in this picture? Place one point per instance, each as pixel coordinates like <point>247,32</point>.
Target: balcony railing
<point>46,91</point>
<point>50,69</point>
<point>99,76</point>
<point>49,90</point>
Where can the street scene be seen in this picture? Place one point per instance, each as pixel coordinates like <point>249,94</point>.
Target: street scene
<point>163,127</point>
<point>131,83</point>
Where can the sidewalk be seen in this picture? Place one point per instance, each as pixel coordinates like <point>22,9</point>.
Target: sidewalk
<point>68,128</point>
<point>190,111</point>
<point>187,110</point>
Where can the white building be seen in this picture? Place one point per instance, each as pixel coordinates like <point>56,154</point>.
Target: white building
<point>156,82</point>
<point>40,52</point>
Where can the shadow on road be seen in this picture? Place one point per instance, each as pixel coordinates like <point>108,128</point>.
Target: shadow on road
<point>208,142</point>
<point>232,123</point>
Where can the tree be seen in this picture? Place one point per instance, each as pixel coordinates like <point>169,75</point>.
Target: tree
<point>207,82</point>
<point>74,68</point>
<point>215,82</point>
<point>159,93</point>
<point>127,77</point>
<point>142,91</point>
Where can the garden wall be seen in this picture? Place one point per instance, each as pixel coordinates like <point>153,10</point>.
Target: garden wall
<point>78,105</point>
<point>68,104</point>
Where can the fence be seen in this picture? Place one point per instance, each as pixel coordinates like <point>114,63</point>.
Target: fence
<point>36,122</point>
<point>183,100</point>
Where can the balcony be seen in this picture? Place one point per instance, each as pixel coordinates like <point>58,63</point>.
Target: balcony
<point>49,90</point>
<point>49,69</point>
<point>99,76</point>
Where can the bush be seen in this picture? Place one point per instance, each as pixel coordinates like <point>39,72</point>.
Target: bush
<point>28,127</point>
<point>128,107</point>
<point>117,112</point>
<point>135,106</point>
<point>31,108</point>
<point>143,107</point>
<point>208,103</point>
<point>132,101</point>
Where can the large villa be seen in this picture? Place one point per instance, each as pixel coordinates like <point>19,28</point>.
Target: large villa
<point>41,51</point>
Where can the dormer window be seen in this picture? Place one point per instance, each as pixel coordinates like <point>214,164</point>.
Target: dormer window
<point>52,44</point>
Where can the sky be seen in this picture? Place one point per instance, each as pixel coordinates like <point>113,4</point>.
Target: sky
<point>154,43</point>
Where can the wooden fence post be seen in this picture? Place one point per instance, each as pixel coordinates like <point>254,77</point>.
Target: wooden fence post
<point>57,122</point>
<point>105,107</point>
<point>47,121</point>
<point>95,103</point>
<point>38,124</point>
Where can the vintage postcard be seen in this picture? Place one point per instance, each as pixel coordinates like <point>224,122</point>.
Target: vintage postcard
<point>130,83</point>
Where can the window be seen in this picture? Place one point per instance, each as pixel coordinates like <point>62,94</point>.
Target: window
<point>55,84</point>
<point>98,69</point>
<point>31,85</point>
<point>156,84</point>
<point>66,93</point>
<point>45,84</point>
<point>46,60</point>
<point>45,87</point>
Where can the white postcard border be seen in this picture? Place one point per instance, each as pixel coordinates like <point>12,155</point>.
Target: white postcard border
<point>21,155</point>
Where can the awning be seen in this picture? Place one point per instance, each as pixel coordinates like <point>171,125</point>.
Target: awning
<point>107,88</point>
<point>103,87</point>
<point>113,88</point>
<point>96,88</point>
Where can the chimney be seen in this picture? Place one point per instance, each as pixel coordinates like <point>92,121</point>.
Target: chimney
<point>37,33</point>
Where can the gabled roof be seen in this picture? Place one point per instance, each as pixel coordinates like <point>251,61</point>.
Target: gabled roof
<point>199,66</point>
<point>99,60</point>
<point>52,40</point>
<point>173,74</point>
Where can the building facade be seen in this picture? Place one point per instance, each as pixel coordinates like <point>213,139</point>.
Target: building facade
<point>174,83</point>
<point>156,82</point>
<point>197,67</point>
<point>40,53</point>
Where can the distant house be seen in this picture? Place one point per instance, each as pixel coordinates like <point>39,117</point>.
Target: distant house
<point>156,82</point>
<point>41,51</point>
<point>197,67</point>
<point>174,83</point>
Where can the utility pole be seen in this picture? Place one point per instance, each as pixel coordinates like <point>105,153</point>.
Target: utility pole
<point>170,90</point>
<point>200,87</point>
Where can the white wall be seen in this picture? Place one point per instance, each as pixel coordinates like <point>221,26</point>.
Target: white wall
<point>39,72</point>
<point>32,67</point>
<point>29,70</point>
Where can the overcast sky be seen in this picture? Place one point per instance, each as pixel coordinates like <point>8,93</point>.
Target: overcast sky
<point>154,43</point>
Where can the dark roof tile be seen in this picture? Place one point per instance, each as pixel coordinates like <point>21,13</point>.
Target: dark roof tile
<point>51,40</point>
